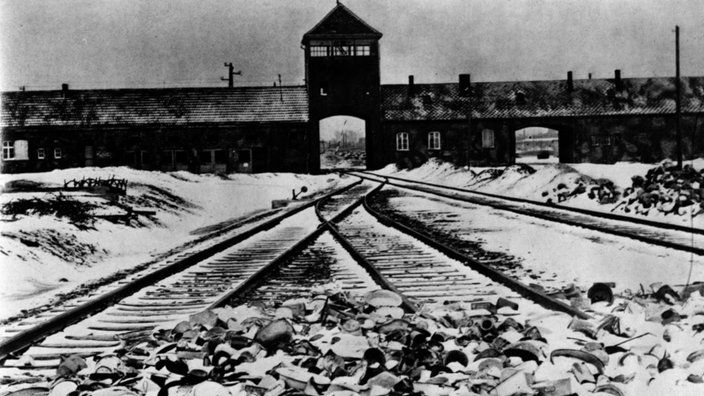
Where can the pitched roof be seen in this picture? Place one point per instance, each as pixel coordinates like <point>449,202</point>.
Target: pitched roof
<point>341,21</point>
<point>526,99</point>
<point>177,106</point>
<point>182,106</point>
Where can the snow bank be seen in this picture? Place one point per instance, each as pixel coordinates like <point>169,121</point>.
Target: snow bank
<point>563,184</point>
<point>41,256</point>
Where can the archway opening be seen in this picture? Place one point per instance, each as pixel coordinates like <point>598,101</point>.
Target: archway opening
<point>537,145</point>
<point>342,143</point>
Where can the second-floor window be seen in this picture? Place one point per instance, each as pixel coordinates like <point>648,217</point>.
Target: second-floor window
<point>363,50</point>
<point>318,50</point>
<point>41,154</point>
<point>434,140</point>
<point>58,153</point>
<point>342,50</point>
<point>402,141</point>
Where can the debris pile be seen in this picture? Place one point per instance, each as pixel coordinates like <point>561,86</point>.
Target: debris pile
<point>58,205</point>
<point>667,190</point>
<point>602,191</point>
<point>335,344</point>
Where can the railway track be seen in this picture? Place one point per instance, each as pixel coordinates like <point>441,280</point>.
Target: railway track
<point>139,298</point>
<point>343,240</point>
<point>321,263</point>
<point>672,236</point>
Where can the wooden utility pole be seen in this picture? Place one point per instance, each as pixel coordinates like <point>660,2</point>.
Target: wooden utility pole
<point>230,74</point>
<point>678,99</point>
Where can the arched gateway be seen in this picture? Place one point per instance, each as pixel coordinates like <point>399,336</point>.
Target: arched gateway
<point>342,78</point>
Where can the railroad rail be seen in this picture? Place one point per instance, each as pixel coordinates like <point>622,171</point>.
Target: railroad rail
<point>418,267</point>
<point>44,327</point>
<point>272,261</point>
<point>672,236</point>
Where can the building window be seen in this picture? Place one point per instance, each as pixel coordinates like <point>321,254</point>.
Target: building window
<point>402,141</point>
<point>363,50</point>
<point>318,51</point>
<point>41,154</point>
<point>324,89</point>
<point>16,150</point>
<point>342,50</point>
<point>8,150</point>
<point>434,140</point>
<point>602,140</point>
<point>58,153</point>
<point>487,138</point>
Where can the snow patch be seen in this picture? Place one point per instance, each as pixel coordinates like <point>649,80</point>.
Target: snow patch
<point>596,187</point>
<point>41,256</point>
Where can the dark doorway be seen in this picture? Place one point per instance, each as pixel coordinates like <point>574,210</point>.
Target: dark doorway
<point>244,161</point>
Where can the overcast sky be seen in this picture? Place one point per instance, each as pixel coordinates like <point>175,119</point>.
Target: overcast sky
<point>155,43</point>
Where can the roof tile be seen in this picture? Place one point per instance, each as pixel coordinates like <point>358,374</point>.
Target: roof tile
<point>526,99</point>
<point>154,106</point>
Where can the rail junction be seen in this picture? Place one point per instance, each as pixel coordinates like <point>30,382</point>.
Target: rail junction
<point>341,237</point>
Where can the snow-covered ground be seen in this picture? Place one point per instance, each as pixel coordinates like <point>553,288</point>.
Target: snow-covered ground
<point>543,184</point>
<point>41,256</point>
<point>561,254</point>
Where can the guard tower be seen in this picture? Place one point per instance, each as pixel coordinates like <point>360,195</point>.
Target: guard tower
<point>342,77</point>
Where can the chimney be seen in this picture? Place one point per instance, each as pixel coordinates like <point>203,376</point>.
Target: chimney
<point>465,86</point>
<point>590,76</point>
<point>64,90</point>
<point>411,86</point>
<point>617,80</point>
<point>570,84</point>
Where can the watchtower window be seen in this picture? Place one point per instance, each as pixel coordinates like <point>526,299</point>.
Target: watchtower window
<point>318,51</point>
<point>402,141</point>
<point>434,140</point>
<point>363,50</point>
<point>342,50</point>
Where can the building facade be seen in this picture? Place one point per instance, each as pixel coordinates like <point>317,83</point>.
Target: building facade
<point>260,129</point>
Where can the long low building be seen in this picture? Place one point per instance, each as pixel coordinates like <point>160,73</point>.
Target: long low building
<point>257,129</point>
